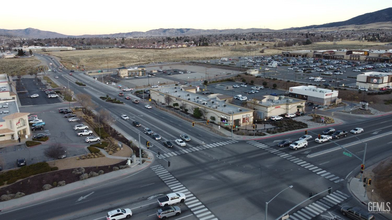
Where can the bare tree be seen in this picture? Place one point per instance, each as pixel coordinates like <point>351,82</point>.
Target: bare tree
<point>168,99</point>
<point>55,151</point>
<point>85,101</point>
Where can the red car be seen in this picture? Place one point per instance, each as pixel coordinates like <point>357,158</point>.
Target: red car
<point>383,89</point>
<point>121,94</point>
<point>128,98</point>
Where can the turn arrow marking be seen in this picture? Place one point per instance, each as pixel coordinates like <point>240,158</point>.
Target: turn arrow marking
<point>84,197</point>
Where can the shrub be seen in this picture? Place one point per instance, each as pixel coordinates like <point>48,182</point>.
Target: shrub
<point>101,133</point>
<point>32,143</point>
<point>93,149</point>
<point>101,145</point>
<point>80,83</point>
<point>24,172</point>
<point>212,118</point>
<point>43,139</point>
<point>175,104</point>
<point>274,86</point>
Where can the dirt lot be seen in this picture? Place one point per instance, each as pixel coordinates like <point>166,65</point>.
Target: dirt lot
<point>19,66</point>
<point>381,175</point>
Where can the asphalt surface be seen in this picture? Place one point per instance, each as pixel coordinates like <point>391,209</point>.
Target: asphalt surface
<point>231,181</point>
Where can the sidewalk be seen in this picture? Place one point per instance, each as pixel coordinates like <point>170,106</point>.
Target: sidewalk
<point>72,187</point>
<point>355,186</point>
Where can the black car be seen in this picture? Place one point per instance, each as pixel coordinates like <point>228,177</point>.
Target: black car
<point>66,111</point>
<point>329,131</point>
<point>39,136</point>
<point>21,162</point>
<point>61,110</point>
<point>136,124</point>
<point>284,143</point>
<point>339,134</point>
<point>168,144</point>
<point>38,127</point>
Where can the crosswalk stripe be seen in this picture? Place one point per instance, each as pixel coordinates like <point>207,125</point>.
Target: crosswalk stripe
<point>308,212</point>
<point>305,164</point>
<point>324,174</point>
<point>337,196</point>
<point>309,166</point>
<point>318,207</point>
<point>294,218</point>
<point>322,204</point>
<point>321,172</point>
<point>335,178</point>
<point>191,202</point>
<point>330,201</point>
<point>198,207</point>
<point>192,198</point>
<point>299,163</point>
<point>182,191</point>
<point>171,181</point>
<point>343,194</point>
<point>326,202</point>
<point>193,205</point>
<point>174,184</point>
<point>208,217</point>
<point>334,199</point>
<point>203,214</point>
<point>313,168</point>
<point>329,176</point>
<point>317,170</point>
<point>303,214</point>
<point>316,212</point>
<point>340,180</point>
<point>298,216</point>
<point>177,187</point>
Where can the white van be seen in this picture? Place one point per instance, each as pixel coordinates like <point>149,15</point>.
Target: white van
<point>299,144</point>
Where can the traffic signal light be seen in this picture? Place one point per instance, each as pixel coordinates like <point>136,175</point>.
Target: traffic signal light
<point>147,143</point>
<point>364,179</point>
<point>329,190</point>
<point>362,167</point>
<point>168,163</point>
<point>233,126</point>
<point>370,182</point>
<point>254,126</point>
<point>208,121</point>
<point>306,131</point>
<point>193,124</point>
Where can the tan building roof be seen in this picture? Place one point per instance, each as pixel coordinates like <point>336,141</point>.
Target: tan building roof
<point>16,115</point>
<point>6,131</point>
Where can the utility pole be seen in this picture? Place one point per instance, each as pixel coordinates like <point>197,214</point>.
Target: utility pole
<point>69,101</point>
<point>140,152</point>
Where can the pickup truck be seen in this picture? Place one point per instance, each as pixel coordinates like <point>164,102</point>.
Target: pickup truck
<point>85,133</point>
<point>171,198</point>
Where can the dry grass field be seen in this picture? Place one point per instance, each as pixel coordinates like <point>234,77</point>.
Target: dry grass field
<point>19,66</point>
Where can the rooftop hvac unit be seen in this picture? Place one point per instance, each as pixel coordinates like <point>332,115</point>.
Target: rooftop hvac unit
<point>212,102</point>
<point>187,94</point>
<point>281,97</point>
<point>290,100</point>
<point>175,87</point>
<point>197,97</point>
<point>189,98</point>
<point>240,110</point>
<point>175,90</point>
<point>224,105</point>
<point>179,96</point>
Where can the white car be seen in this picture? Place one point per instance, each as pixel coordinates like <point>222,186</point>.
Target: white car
<point>125,117</point>
<point>298,144</point>
<point>34,96</point>
<point>85,133</point>
<point>305,137</point>
<point>244,85</point>
<point>52,96</point>
<point>363,89</point>
<point>73,119</point>
<point>80,127</point>
<point>154,86</point>
<point>119,214</point>
<point>276,118</point>
<point>290,115</point>
<point>180,142</point>
<point>236,86</point>
<point>92,139</point>
<point>311,78</point>
<point>243,98</point>
<point>148,106</point>
<point>323,138</point>
<point>36,120</point>
<point>357,130</point>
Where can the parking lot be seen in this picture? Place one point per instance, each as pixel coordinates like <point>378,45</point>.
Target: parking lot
<point>66,136</point>
<point>30,86</point>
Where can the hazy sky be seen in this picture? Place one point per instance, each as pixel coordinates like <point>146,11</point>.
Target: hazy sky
<point>77,17</point>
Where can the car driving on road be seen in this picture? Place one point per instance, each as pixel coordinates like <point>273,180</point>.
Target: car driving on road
<point>185,137</point>
<point>156,136</point>
<point>329,131</point>
<point>147,131</point>
<point>148,106</point>
<point>323,138</point>
<point>168,211</point>
<point>357,130</point>
<point>34,96</point>
<point>119,214</point>
<point>276,118</point>
<point>284,143</point>
<point>339,134</point>
<point>299,144</point>
<point>125,117</point>
<point>180,142</point>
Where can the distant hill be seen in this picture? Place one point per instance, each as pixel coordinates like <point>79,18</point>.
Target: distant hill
<point>384,15</point>
<point>31,33</point>
<point>171,32</point>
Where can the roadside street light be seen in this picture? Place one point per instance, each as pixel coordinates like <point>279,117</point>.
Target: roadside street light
<point>265,121</point>
<point>266,203</point>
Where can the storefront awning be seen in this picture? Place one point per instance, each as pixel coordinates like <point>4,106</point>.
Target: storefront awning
<point>6,131</point>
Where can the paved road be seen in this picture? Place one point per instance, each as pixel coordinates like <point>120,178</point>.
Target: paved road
<point>226,180</point>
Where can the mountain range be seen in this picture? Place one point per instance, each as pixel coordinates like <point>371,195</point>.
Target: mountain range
<point>384,15</point>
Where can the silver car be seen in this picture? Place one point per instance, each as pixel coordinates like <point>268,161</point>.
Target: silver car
<point>168,211</point>
<point>185,137</point>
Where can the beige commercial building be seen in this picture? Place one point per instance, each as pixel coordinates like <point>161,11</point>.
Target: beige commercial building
<point>131,72</point>
<point>13,124</point>
<point>214,107</point>
<point>374,80</point>
<point>276,105</point>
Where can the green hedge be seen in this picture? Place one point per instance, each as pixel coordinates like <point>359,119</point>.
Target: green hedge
<point>80,83</point>
<point>24,172</point>
<point>101,145</point>
<point>93,149</point>
<point>103,133</point>
<point>32,143</point>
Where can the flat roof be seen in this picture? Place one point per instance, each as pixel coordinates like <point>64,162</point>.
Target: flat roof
<point>208,101</point>
<point>9,107</point>
<point>310,88</point>
<point>376,74</point>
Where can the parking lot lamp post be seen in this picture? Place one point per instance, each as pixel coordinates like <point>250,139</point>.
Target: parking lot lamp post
<point>266,203</point>
<point>265,121</point>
